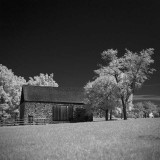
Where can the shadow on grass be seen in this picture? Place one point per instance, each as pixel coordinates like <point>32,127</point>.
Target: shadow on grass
<point>149,137</point>
<point>102,120</point>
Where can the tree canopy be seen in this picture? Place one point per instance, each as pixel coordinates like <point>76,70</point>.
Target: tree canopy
<point>43,80</point>
<point>10,87</point>
<point>129,72</point>
<point>102,93</point>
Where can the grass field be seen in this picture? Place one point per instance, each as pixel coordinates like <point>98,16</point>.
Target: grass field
<point>134,139</point>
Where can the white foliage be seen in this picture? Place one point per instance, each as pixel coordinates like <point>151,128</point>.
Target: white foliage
<point>10,87</point>
<point>43,80</point>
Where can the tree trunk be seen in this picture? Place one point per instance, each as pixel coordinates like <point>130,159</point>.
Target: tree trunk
<point>111,114</point>
<point>106,116</point>
<point>124,109</point>
<point>124,113</point>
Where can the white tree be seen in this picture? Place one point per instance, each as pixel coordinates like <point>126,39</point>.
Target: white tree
<point>43,80</point>
<point>10,88</point>
<point>129,71</point>
<point>101,94</point>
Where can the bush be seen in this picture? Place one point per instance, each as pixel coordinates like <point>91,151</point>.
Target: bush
<point>81,115</point>
<point>131,115</point>
<point>156,115</point>
<point>89,117</point>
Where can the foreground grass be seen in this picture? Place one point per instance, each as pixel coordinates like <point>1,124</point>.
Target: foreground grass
<point>137,139</point>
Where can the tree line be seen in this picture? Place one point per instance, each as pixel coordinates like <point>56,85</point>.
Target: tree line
<point>144,109</point>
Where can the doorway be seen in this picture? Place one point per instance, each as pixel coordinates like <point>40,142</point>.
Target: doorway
<point>62,112</point>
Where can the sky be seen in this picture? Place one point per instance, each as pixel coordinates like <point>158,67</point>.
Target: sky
<point>66,37</point>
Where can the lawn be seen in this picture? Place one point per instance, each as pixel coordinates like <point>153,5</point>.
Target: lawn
<point>134,139</point>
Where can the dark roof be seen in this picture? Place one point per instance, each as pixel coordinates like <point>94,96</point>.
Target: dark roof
<point>52,94</point>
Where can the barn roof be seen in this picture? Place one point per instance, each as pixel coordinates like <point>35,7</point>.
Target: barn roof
<point>52,94</point>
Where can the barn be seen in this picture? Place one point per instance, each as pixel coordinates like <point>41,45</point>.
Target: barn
<point>53,104</point>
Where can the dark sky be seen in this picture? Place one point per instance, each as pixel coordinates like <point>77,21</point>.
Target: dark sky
<point>66,37</point>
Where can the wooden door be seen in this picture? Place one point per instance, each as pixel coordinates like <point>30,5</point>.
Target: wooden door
<point>62,113</point>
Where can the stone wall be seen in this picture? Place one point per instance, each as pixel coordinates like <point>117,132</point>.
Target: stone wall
<point>45,110</point>
<point>38,110</point>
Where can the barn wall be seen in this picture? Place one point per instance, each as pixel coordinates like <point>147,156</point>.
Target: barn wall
<point>38,110</point>
<point>44,110</point>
